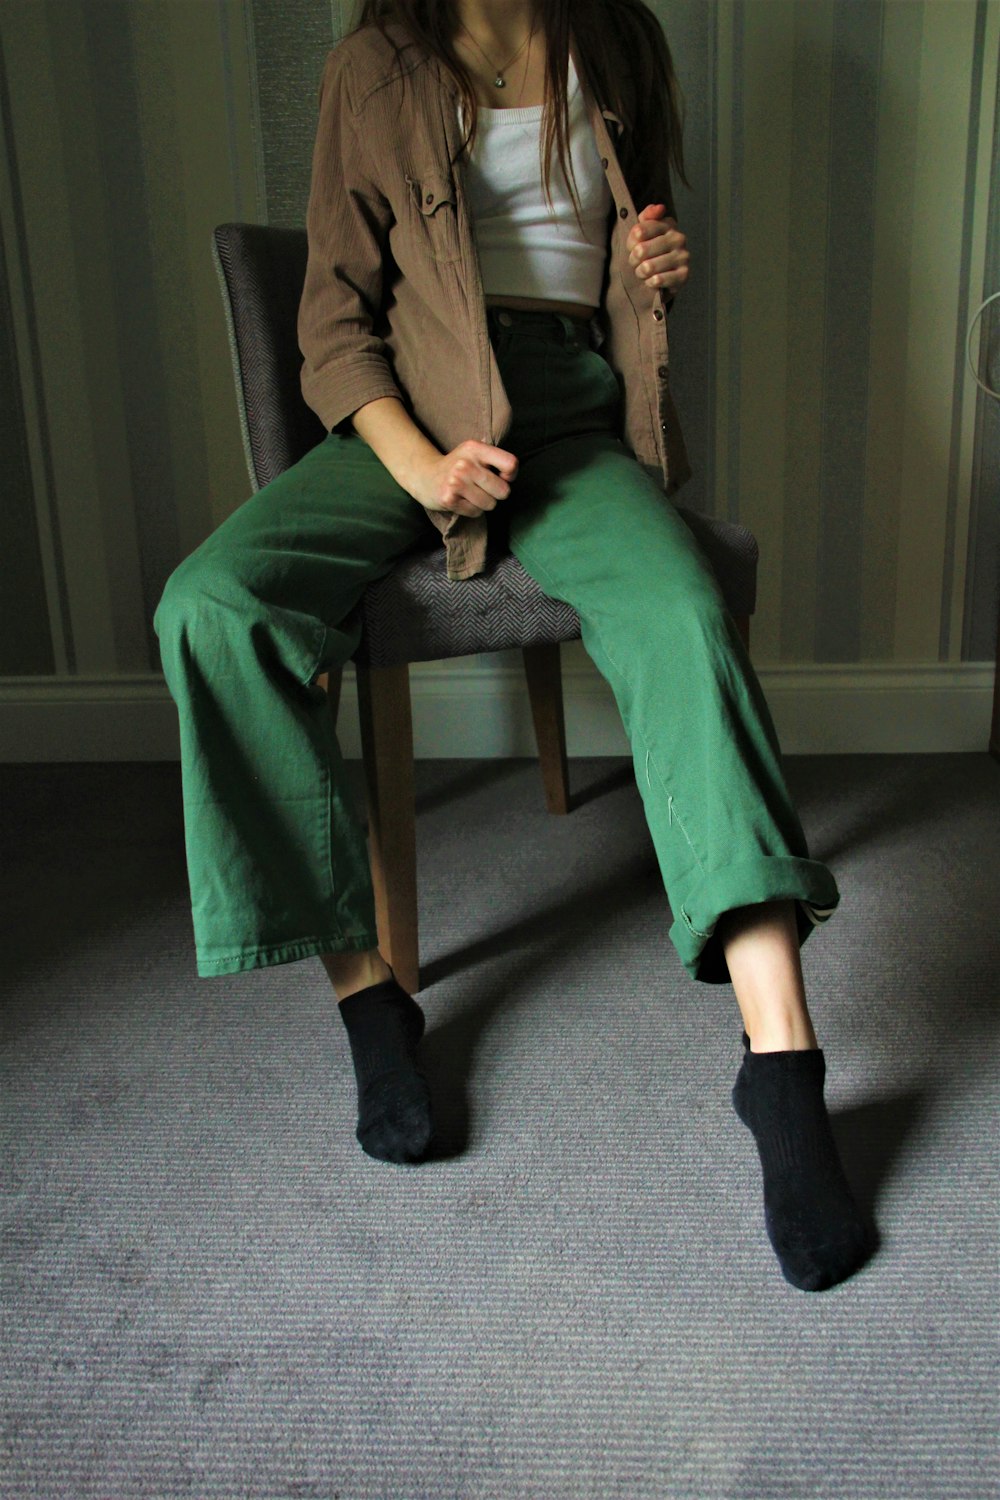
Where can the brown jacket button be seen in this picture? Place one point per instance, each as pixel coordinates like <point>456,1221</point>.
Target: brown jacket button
<point>429,198</point>
<point>623,213</point>
<point>658,313</point>
<point>661,370</point>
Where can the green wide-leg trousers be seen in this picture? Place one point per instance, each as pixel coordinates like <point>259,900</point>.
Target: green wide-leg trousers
<point>277,859</point>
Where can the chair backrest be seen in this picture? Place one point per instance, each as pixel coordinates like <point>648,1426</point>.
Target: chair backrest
<point>261,272</point>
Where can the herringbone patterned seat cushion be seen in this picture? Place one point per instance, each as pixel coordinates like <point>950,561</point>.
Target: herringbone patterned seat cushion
<point>416,613</point>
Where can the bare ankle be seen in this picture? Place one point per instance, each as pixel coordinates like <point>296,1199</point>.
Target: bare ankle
<point>762,950</point>
<point>782,1034</point>
<point>350,972</point>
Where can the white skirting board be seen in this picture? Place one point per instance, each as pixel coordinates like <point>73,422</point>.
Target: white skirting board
<point>478,707</point>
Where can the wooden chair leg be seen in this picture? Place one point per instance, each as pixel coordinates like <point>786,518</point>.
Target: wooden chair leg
<point>387,747</point>
<point>742,623</point>
<point>543,671</point>
<point>331,683</point>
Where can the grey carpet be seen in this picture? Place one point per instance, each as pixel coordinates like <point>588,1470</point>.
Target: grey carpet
<point>211,1291</point>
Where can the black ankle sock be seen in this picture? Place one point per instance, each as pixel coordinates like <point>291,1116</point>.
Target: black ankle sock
<point>384,1025</point>
<point>812,1219</point>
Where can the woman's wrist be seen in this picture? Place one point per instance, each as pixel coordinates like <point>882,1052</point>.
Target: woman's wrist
<point>390,431</point>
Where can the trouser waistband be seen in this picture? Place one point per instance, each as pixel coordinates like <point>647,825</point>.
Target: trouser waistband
<point>555,324</point>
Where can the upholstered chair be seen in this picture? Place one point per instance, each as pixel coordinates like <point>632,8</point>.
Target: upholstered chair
<point>415,613</point>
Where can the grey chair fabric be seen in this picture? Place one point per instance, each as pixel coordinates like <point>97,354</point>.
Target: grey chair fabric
<point>415,613</point>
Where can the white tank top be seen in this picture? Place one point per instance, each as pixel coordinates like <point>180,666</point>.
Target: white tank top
<point>523,250</point>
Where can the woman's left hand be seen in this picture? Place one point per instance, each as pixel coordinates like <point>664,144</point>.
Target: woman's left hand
<point>658,249</point>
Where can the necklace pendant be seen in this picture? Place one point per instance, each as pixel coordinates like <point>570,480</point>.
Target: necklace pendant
<point>499,82</point>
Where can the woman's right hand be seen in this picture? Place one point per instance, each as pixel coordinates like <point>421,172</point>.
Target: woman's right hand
<point>463,482</point>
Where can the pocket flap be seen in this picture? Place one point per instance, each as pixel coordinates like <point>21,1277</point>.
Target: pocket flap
<point>431,190</point>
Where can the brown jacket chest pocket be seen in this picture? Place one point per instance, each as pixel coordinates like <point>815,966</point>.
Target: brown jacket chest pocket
<point>434,214</point>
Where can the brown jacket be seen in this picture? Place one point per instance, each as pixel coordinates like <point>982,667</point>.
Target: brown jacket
<point>393,301</point>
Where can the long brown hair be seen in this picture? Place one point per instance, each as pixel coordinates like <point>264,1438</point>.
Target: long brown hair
<point>628,68</point>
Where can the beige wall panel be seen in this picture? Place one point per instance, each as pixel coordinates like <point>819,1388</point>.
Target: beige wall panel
<point>201,150</point>
<point>109,481</point>
<point>24,372</point>
<point>962,579</point>
<point>243,145</point>
<point>229,482</point>
<point>807,267</point>
<point>935,255</point>
<point>763,297</point>
<point>190,188</point>
<point>899,103</point>
<point>213,183</point>
<point>42,92</point>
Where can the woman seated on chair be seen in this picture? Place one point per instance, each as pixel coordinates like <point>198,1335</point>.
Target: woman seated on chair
<point>493,253</point>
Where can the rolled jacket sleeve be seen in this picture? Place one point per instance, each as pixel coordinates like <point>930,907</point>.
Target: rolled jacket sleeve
<point>345,362</point>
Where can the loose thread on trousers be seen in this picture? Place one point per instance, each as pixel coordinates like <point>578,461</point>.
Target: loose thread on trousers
<point>670,800</point>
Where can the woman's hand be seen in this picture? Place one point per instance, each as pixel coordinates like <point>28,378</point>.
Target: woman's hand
<point>463,481</point>
<point>658,249</point>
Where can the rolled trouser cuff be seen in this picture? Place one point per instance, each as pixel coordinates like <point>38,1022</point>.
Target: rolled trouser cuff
<point>765,878</point>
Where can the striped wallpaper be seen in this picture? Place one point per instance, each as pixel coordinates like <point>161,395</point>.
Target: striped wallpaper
<point>844,224</point>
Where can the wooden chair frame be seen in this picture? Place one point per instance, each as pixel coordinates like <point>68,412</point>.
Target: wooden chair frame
<point>386,722</point>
